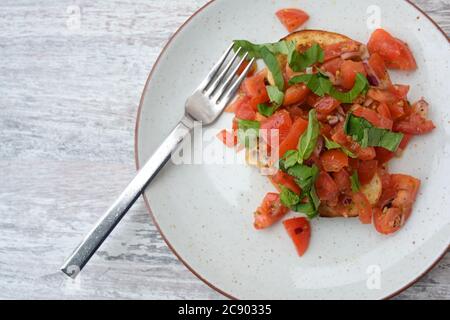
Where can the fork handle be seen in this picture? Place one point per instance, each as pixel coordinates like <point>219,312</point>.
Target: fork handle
<point>73,265</point>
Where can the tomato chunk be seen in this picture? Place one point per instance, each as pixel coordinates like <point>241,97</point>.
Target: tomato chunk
<point>270,212</point>
<point>363,206</point>
<point>377,64</point>
<point>299,230</point>
<point>291,140</point>
<point>326,105</point>
<point>255,88</point>
<point>374,118</point>
<point>291,18</point>
<point>227,138</point>
<point>244,110</point>
<point>334,160</point>
<point>326,188</point>
<point>332,66</point>
<point>414,124</point>
<point>349,70</point>
<point>367,170</point>
<point>282,178</point>
<point>395,53</point>
<point>342,179</point>
<point>296,94</point>
<point>281,121</point>
<point>336,50</point>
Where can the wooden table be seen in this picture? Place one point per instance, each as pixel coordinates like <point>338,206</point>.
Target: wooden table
<point>69,93</point>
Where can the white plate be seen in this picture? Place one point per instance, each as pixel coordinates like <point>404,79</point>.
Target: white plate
<point>205,211</point>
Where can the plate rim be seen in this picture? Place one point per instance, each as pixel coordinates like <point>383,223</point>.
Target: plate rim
<point>147,203</point>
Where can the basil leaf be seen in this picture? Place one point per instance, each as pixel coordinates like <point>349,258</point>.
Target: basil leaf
<point>304,176</point>
<point>321,85</point>
<point>276,96</point>
<point>354,179</point>
<point>290,159</point>
<point>306,208</point>
<point>248,132</point>
<point>363,132</point>
<point>273,65</point>
<point>361,86</point>
<point>300,61</point>
<point>254,50</point>
<point>288,197</point>
<point>266,110</point>
<point>315,198</point>
<point>308,140</point>
<point>317,83</point>
<point>330,145</point>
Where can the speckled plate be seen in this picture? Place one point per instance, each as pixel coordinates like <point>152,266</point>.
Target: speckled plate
<point>204,212</point>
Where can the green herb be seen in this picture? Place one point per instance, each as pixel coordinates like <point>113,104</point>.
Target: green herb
<point>305,177</point>
<point>273,65</point>
<point>363,132</point>
<point>321,85</point>
<point>290,159</point>
<point>300,61</point>
<point>254,50</point>
<point>308,140</point>
<point>354,179</point>
<point>288,197</point>
<point>248,132</point>
<point>330,145</point>
<point>276,96</point>
<point>361,86</point>
<point>266,110</point>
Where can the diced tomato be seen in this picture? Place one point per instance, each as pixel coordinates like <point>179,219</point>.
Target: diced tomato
<point>338,135</point>
<point>377,64</point>
<point>363,206</point>
<point>396,203</point>
<point>270,211</point>
<point>291,140</point>
<point>366,154</point>
<point>395,53</point>
<point>381,95</point>
<point>295,94</point>
<point>400,91</point>
<point>334,160</point>
<point>384,111</point>
<point>336,50</point>
<point>281,121</point>
<point>326,105</point>
<point>312,99</point>
<point>244,65</point>
<point>414,124</point>
<point>342,179</point>
<point>231,108</point>
<point>228,139</point>
<point>326,187</point>
<point>255,88</point>
<point>332,66</point>
<point>244,111</point>
<point>367,170</point>
<point>349,70</point>
<point>292,19</point>
<point>297,112</point>
<point>281,178</point>
<point>374,118</point>
<point>300,232</point>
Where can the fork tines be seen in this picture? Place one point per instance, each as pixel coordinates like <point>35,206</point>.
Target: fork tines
<point>221,84</point>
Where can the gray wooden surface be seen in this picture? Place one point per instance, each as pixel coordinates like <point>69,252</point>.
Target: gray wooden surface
<point>69,93</point>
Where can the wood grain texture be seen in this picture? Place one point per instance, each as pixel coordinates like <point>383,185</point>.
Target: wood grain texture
<point>68,101</point>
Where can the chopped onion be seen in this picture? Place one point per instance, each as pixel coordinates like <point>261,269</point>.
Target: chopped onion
<point>351,55</point>
<point>319,146</point>
<point>371,76</point>
<point>368,102</point>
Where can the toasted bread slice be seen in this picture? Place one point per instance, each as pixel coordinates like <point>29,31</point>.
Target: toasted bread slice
<point>306,38</point>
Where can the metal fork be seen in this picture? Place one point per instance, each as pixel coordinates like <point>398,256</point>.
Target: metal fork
<point>205,105</point>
